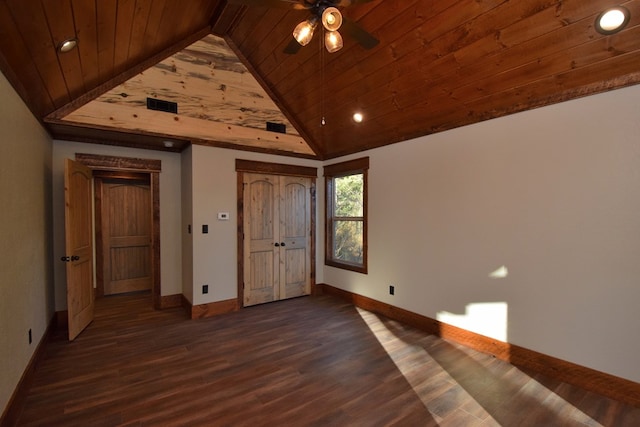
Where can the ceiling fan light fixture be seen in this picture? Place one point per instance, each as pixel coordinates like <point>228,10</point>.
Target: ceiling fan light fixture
<point>331,19</point>
<point>612,20</point>
<point>333,41</point>
<point>303,33</point>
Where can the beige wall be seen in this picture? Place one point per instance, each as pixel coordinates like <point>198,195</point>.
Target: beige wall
<point>553,194</point>
<point>26,292</point>
<point>187,220</point>
<point>215,190</point>
<point>170,212</point>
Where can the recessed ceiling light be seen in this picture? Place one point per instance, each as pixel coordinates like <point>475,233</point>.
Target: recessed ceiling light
<point>168,144</point>
<point>612,20</point>
<point>358,117</point>
<point>68,45</point>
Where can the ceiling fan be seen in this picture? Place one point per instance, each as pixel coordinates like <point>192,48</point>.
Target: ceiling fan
<point>321,11</point>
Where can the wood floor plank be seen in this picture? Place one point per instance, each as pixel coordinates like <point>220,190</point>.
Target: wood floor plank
<point>311,361</point>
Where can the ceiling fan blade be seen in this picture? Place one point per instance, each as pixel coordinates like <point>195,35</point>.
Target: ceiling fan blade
<point>279,4</point>
<point>293,47</point>
<point>357,32</point>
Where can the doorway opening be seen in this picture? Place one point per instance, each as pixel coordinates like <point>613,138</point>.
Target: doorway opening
<point>123,232</point>
<point>136,252</point>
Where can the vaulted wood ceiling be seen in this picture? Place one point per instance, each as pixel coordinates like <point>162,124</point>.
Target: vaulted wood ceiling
<point>440,64</point>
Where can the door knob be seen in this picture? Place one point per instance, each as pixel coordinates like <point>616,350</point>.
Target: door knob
<point>75,258</point>
<point>65,259</point>
<point>276,244</point>
<point>282,244</point>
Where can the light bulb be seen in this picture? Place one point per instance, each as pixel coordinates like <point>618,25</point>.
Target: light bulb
<point>331,19</point>
<point>333,41</point>
<point>303,33</point>
<point>613,20</point>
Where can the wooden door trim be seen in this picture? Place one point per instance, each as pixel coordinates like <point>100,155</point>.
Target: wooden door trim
<point>275,168</point>
<point>115,163</point>
<point>279,169</point>
<point>123,167</point>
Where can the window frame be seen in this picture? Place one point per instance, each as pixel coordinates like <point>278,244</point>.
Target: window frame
<point>339,170</point>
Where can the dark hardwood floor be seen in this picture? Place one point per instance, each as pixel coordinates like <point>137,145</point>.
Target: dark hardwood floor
<point>311,361</point>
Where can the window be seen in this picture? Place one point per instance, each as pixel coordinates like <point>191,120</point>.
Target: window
<point>346,219</point>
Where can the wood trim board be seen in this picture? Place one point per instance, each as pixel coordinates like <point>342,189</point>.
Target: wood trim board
<point>211,309</point>
<point>275,168</point>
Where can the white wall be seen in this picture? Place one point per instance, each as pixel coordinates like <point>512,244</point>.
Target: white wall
<point>170,212</point>
<point>26,291</point>
<point>553,194</point>
<point>214,183</point>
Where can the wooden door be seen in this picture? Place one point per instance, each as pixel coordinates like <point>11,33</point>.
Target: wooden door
<point>277,227</point>
<point>295,232</point>
<point>79,246</point>
<point>125,225</point>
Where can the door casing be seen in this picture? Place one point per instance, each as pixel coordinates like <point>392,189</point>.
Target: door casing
<point>243,166</point>
<point>124,166</point>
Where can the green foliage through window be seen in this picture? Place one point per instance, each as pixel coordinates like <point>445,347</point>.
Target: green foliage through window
<point>347,226</point>
<point>348,195</point>
<point>347,241</point>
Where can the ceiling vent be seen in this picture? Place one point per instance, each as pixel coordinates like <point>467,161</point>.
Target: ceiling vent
<point>276,127</point>
<point>160,105</point>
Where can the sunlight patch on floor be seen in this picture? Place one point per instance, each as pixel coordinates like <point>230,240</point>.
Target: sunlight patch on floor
<point>442,395</point>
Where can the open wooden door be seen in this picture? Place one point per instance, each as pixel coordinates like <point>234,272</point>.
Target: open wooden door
<point>79,246</point>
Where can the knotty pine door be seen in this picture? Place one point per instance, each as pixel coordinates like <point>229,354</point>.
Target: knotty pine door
<point>78,246</point>
<point>277,230</point>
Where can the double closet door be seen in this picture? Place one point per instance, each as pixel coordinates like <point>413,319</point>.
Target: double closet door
<point>277,237</point>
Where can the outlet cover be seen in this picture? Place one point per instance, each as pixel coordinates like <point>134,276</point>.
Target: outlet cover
<point>205,289</point>
<point>392,290</point>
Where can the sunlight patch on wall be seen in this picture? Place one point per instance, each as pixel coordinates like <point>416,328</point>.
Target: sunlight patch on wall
<point>499,273</point>
<point>485,318</point>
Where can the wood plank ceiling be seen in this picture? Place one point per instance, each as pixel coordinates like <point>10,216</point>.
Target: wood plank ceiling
<point>215,97</point>
<point>440,64</point>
